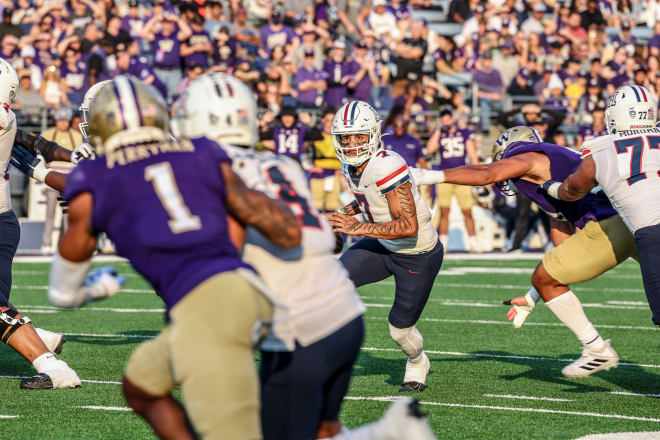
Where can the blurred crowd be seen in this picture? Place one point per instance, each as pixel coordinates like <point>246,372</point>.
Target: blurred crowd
<point>487,65</point>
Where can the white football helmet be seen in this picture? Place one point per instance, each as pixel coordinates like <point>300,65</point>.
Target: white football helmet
<point>217,106</point>
<point>356,117</point>
<point>9,82</point>
<point>84,107</point>
<point>631,108</point>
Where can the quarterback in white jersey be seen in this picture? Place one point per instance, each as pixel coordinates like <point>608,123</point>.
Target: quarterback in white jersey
<point>307,361</point>
<point>626,164</point>
<point>398,236</point>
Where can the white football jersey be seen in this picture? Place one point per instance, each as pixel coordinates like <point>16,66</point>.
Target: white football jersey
<point>7,137</point>
<point>308,280</point>
<point>628,170</point>
<point>385,171</point>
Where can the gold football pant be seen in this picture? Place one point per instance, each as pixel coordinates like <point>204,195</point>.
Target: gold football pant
<point>207,350</point>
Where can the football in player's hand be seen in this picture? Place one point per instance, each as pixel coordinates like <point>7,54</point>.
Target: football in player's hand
<point>339,242</point>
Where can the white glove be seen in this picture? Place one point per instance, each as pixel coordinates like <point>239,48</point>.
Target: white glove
<point>82,152</point>
<point>523,311</point>
<point>41,170</point>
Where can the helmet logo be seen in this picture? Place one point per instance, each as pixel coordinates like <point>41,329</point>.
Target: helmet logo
<point>632,113</point>
<point>351,113</point>
<point>503,139</point>
<point>651,115</point>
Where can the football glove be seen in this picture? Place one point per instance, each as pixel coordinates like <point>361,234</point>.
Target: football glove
<point>523,306</point>
<point>29,165</point>
<point>82,152</point>
<point>102,282</point>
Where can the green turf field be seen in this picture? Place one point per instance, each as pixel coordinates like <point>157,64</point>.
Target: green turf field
<point>487,379</point>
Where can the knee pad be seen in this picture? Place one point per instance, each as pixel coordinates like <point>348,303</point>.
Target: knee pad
<point>409,339</point>
<point>9,324</point>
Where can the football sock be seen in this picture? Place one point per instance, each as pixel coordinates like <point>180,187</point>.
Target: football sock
<point>568,309</point>
<point>473,243</point>
<point>444,239</point>
<point>410,341</point>
<point>42,362</point>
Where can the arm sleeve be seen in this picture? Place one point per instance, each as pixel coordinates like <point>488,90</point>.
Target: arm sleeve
<point>391,171</point>
<point>36,144</point>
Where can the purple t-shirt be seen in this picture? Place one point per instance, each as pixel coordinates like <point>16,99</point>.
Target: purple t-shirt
<point>304,74</point>
<point>587,132</point>
<point>201,58</point>
<point>337,93</point>
<point>400,12</point>
<point>418,105</point>
<point>128,209</point>
<point>453,149</point>
<point>362,90</point>
<point>271,38</point>
<point>654,41</point>
<point>490,81</point>
<point>142,71</point>
<point>290,141</point>
<point>75,77</point>
<point>408,147</point>
<point>167,51</point>
<point>563,162</point>
<point>132,25</point>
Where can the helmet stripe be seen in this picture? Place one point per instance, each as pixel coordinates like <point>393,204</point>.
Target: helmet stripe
<point>230,91</point>
<point>121,106</point>
<point>137,102</point>
<point>355,103</point>
<point>346,113</point>
<point>636,93</point>
<point>641,89</point>
<point>130,109</point>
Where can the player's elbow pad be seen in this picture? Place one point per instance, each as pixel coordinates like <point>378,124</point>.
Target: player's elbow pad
<point>66,278</point>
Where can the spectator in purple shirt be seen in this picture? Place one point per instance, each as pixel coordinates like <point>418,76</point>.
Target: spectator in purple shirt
<point>654,42</point>
<point>399,141</point>
<point>128,63</point>
<point>167,47</point>
<point>338,75</point>
<point>277,34</point>
<point>198,47</point>
<point>74,73</point>
<point>310,83</point>
<point>132,22</point>
<point>224,54</point>
<point>490,85</point>
<point>363,73</point>
<point>412,101</point>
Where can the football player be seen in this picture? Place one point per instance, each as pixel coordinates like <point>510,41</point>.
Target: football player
<point>36,345</point>
<point>398,238</point>
<point>522,161</point>
<point>165,204</point>
<point>626,164</point>
<point>306,366</point>
<point>453,147</point>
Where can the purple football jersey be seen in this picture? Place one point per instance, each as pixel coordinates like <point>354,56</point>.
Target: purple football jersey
<point>452,152</point>
<point>563,162</point>
<point>167,51</point>
<point>290,141</point>
<point>337,93</point>
<point>407,146</point>
<point>163,206</point>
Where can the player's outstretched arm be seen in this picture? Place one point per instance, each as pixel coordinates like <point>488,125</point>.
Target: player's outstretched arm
<point>478,175</point>
<point>37,145</point>
<point>36,168</point>
<point>577,185</point>
<point>253,208</point>
<point>402,208</point>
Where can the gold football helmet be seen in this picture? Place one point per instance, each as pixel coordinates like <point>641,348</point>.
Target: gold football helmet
<point>126,111</point>
<point>514,134</point>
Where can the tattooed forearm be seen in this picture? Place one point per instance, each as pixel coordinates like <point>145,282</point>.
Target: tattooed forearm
<point>402,208</point>
<point>253,208</point>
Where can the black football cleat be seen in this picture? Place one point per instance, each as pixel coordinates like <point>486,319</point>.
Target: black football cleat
<point>415,410</point>
<point>412,387</point>
<point>39,382</point>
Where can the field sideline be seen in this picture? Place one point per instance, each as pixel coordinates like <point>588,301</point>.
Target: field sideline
<point>487,379</point>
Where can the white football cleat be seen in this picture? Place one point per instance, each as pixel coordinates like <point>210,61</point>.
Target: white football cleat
<point>57,375</point>
<point>102,282</point>
<point>404,421</point>
<point>592,361</point>
<point>52,341</point>
<point>415,377</point>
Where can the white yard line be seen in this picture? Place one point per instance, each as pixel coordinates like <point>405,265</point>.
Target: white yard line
<point>101,335</point>
<point>8,417</point>
<point>621,305</point>
<point>510,396</point>
<point>52,309</point>
<point>523,287</point>
<point>507,408</point>
<point>106,382</point>
<point>503,356</point>
<point>105,408</point>
<point>625,393</point>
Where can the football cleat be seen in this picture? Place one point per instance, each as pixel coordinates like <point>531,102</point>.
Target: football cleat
<point>103,282</point>
<point>415,377</point>
<point>52,341</point>
<point>592,361</point>
<point>57,375</point>
<point>404,420</point>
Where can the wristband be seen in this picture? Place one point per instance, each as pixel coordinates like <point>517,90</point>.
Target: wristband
<point>552,188</point>
<point>40,173</point>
